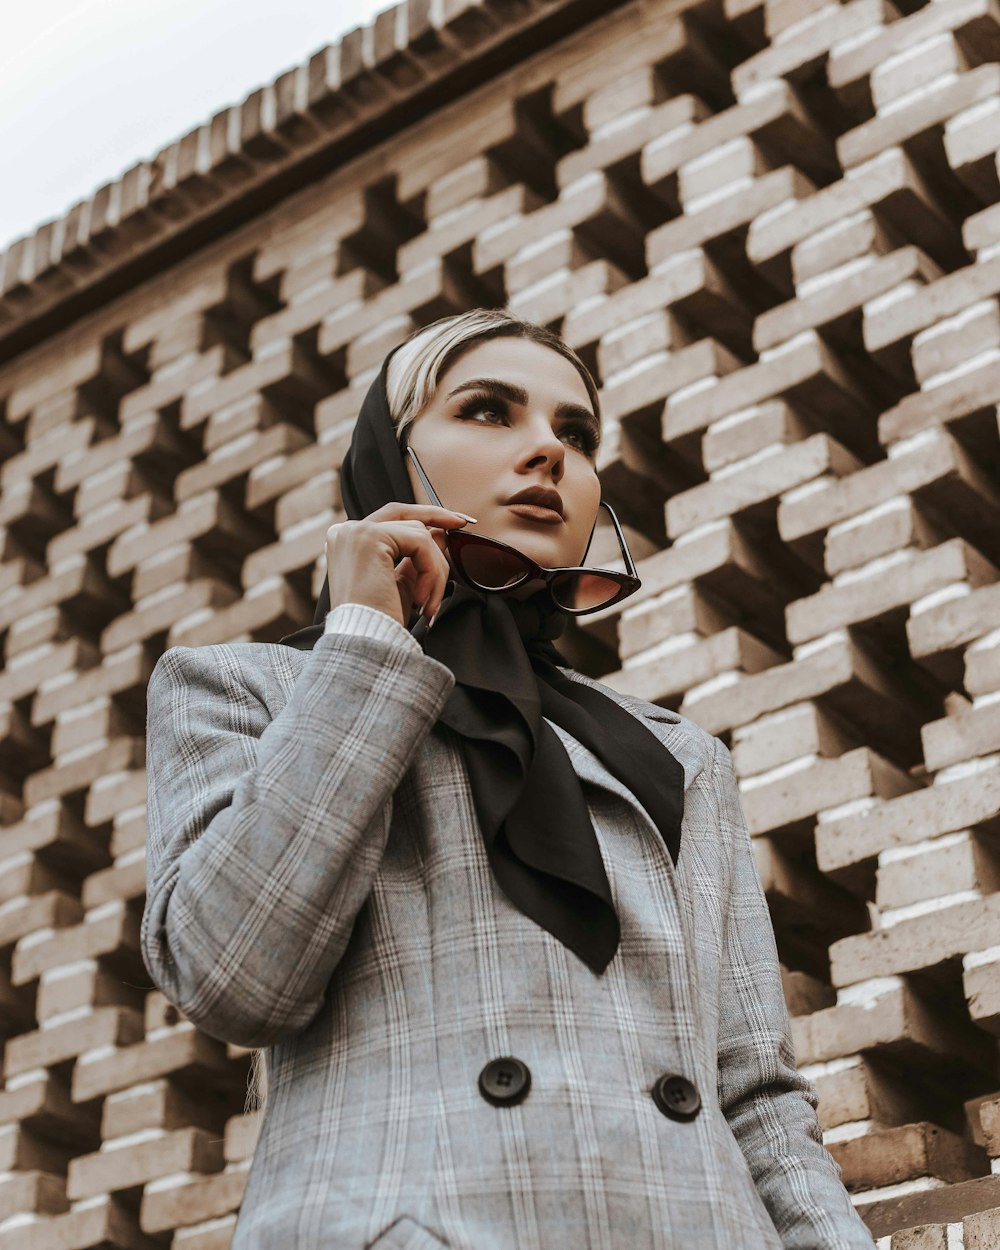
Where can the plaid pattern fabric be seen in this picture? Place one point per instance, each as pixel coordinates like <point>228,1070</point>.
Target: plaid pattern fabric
<point>317,885</point>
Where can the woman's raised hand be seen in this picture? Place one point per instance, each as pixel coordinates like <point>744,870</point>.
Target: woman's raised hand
<point>362,555</point>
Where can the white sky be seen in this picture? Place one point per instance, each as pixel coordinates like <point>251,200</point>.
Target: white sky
<point>90,87</point>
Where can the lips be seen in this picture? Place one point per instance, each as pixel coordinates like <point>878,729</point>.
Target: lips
<point>541,496</point>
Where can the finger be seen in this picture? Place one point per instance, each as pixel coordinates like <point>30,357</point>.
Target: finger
<point>425,512</point>
<point>424,569</point>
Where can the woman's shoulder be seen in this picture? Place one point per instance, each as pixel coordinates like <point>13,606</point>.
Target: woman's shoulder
<point>229,669</point>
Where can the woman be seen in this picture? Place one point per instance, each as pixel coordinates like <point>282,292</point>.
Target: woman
<point>497,927</point>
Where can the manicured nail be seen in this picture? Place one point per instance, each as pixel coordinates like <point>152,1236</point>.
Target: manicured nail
<point>473,519</point>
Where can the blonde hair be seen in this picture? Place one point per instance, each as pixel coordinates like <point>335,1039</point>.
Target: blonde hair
<point>414,371</point>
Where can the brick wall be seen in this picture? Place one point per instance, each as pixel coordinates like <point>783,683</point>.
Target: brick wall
<point>773,232</point>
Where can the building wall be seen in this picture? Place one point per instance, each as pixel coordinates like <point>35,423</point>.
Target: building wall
<point>773,233</point>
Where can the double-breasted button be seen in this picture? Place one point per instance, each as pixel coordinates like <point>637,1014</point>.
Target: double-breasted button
<point>676,1096</point>
<point>504,1082</point>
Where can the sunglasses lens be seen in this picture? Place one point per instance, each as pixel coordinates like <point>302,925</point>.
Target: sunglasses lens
<point>492,567</point>
<point>578,591</point>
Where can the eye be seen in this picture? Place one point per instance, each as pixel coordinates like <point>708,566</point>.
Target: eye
<point>480,404</point>
<point>585,434</point>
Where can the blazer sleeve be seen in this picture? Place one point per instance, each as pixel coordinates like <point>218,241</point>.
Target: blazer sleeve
<point>769,1105</point>
<point>264,835</point>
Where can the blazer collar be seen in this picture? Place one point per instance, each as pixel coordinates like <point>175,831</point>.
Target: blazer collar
<point>638,707</point>
<point>669,730</point>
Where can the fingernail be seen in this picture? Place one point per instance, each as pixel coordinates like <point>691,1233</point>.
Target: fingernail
<point>433,619</point>
<point>468,518</point>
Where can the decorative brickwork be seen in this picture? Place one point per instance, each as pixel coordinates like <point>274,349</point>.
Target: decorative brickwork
<point>773,232</point>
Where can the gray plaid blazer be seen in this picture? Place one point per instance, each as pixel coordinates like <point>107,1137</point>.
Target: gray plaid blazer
<point>317,885</point>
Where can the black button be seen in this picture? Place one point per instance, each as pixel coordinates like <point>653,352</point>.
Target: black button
<point>504,1082</point>
<point>676,1097</point>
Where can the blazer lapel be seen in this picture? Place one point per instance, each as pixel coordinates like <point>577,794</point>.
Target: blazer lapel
<point>661,721</point>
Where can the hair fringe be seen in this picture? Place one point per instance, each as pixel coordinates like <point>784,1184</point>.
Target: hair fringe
<point>413,374</point>
<point>421,360</point>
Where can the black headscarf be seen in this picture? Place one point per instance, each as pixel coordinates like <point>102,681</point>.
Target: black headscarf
<point>535,824</point>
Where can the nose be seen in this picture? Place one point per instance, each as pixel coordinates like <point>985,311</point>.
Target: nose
<point>546,449</point>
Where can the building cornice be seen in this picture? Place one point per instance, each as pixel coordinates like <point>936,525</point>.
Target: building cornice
<point>410,60</point>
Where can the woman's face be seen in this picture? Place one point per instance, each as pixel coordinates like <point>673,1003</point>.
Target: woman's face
<point>480,447</point>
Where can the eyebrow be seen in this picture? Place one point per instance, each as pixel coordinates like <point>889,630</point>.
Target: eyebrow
<point>518,395</point>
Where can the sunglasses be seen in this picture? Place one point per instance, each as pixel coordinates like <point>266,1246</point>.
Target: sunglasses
<point>488,564</point>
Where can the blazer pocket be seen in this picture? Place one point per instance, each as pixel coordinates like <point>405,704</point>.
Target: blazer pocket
<point>407,1234</point>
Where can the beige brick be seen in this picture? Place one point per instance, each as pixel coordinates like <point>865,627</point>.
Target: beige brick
<point>950,294</point>
<point>639,87</point>
<point>974,21</point>
<point>892,1024</point>
<point>934,869</point>
<point>234,459</point>
<point>538,267</point>
<point>662,677</point>
<point>802,901</point>
<point>854,1090</point>
<point>105,1026</point>
<point>935,1205</point>
<point>859,235</point>
<point>936,470</point>
<point>804,993</point>
<point>922,942</point>
<point>650,381</point>
<point>731,165</point>
<point>907,576</point>
<point>763,477</point>
<point>962,803</point>
<point>982,668</point>
<point>989,1118</point>
<point>802,730</point>
<point>746,432</point>
<point>950,342</point>
<point>784,14</point>
<point>915,68</point>
<point>805,371</point>
<point>928,108</point>
<point>981,229</point>
<point>884,530</point>
<point>965,736</point>
<point>893,1156</point>
<point>202,1059</point>
<point>682,610</point>
<point>193,1202</point>
<point>786,187</point>
<point>417,288</point>
<point>982,990</point>
<point>592,206</point>
<point>112,1169</point>
<point>774,116</point>
<point>955,622</point>
<point>981,1231</point>
<point>105,1222</point>
<point>625,135</point>
<point>921,1237</point>
<point>797,795</point>
<point>971,139</point>
<point>688,283</point>
<point>842,297</point>
<point>889,182</point>
<point>464,224</point>
<point>847,678</point>
<point>808,41</point>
